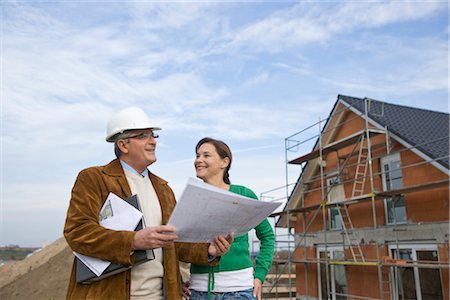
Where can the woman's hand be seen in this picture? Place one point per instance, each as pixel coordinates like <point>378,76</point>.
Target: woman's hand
<point>221,245</point>
<point>257,288</point>
<point>186,293</point>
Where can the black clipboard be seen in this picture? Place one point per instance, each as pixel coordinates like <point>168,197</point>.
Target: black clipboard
<point>86,276</point>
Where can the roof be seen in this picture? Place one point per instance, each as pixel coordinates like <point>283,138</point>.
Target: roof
<point>426,130</point>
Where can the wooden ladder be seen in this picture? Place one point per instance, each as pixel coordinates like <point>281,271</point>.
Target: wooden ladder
<point>361,169</point>
<point>386,283</point>
<point>347,226</point>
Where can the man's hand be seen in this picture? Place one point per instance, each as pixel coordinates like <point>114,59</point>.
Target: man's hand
<point>221,245</point>
<point>154,237</point>
<point>257,287</point>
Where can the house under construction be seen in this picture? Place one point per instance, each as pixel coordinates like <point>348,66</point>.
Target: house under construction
<point>369,213</point>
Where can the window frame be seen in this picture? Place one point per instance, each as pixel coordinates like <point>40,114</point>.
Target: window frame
<point>386,160</point>
<point>333,177</point>
<point>414,247</point>
<point>330,251</point>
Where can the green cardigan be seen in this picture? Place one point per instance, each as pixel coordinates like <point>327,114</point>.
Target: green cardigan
<point>238,257</point>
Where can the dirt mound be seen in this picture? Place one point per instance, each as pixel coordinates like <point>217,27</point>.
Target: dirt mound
<point>44,275</point>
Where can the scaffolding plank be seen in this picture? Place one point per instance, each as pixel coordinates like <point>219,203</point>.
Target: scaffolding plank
<point>413,188</point>
<point>306,157</point>
<point>377,195</point>
<point>348,201</point>
<point>408,264</point>
<point>351,139</point>
<point>296,210</point>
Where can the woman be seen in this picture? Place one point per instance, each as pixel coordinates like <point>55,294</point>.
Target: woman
<point>234,277</point>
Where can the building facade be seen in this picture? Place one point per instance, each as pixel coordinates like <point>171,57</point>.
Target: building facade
<point>370,209</point>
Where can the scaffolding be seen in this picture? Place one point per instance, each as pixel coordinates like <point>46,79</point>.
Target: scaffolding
<point>354,155</point>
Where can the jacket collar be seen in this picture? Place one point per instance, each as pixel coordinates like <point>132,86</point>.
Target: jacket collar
<point>114,168</point>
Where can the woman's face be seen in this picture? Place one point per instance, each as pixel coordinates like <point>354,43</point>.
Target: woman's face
<point>208,163</point>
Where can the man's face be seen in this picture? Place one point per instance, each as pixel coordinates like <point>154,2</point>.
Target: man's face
<point>139,149</point>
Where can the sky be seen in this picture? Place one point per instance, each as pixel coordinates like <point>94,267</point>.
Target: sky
<point>250,73</point>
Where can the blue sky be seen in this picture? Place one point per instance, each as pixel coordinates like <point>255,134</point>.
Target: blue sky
<point>250,73</point>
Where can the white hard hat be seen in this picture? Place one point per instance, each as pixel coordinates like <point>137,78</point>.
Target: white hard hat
<point>128,119</point>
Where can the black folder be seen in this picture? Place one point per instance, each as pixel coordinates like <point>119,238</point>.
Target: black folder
<point>86,276</point>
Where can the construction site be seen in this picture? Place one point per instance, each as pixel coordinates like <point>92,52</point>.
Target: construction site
<point>368,214</point>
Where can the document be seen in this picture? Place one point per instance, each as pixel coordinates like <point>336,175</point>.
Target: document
<point>205,211</point>
<point>116,214</point>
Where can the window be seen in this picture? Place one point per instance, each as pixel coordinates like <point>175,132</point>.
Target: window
<point>335,218</point>
<point>337,276</point>
<point>336,193</point>
<point>392,180</point>
<point>416,283</point>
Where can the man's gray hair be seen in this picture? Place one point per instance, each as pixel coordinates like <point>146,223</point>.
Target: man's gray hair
<point>120,136</point>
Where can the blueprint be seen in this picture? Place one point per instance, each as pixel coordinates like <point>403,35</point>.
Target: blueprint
<point>205,211</point>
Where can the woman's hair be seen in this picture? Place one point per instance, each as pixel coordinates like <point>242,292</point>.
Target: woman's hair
<point>222,149</point>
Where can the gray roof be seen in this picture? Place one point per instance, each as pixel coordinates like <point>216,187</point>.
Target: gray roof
<point>426,130</point>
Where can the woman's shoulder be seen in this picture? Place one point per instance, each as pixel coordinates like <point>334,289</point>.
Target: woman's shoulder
<point>242,190</point>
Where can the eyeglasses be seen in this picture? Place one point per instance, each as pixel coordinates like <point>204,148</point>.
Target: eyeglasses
<point>144,135</point>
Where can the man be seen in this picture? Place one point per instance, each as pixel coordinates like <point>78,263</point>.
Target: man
<point>134,141</point>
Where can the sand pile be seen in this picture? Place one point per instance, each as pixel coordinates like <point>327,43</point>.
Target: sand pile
<point>44,275</point>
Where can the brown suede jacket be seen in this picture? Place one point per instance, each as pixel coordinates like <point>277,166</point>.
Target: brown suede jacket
<point>84,234</point>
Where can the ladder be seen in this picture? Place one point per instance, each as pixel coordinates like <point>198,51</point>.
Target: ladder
<point>357,190</point>
<point>361,169</point>
<point>386,283</point>
<point>347,226</point>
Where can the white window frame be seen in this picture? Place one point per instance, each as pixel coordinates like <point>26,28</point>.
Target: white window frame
<point>386,160</point>
<point>413,248</point>
<point>330,250</point>
<point>332,177</point>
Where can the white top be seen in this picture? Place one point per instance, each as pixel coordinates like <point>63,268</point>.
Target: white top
<point>146,278</point>
<point>231,281</point>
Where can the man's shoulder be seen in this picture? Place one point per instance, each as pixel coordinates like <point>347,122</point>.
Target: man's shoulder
<point>111,168</point>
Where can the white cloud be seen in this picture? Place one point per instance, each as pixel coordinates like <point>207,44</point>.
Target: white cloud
<point>315,23</point>
<point>258,79</point>
<point>57,66</point>
<point>148,65</point>
<point>398,69</point>
<point>253,122</point>
<point>355,15</point>
<point>300,70</point>
<point>71,80</point>
<point>276,34</point>
<point>170,16</point>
